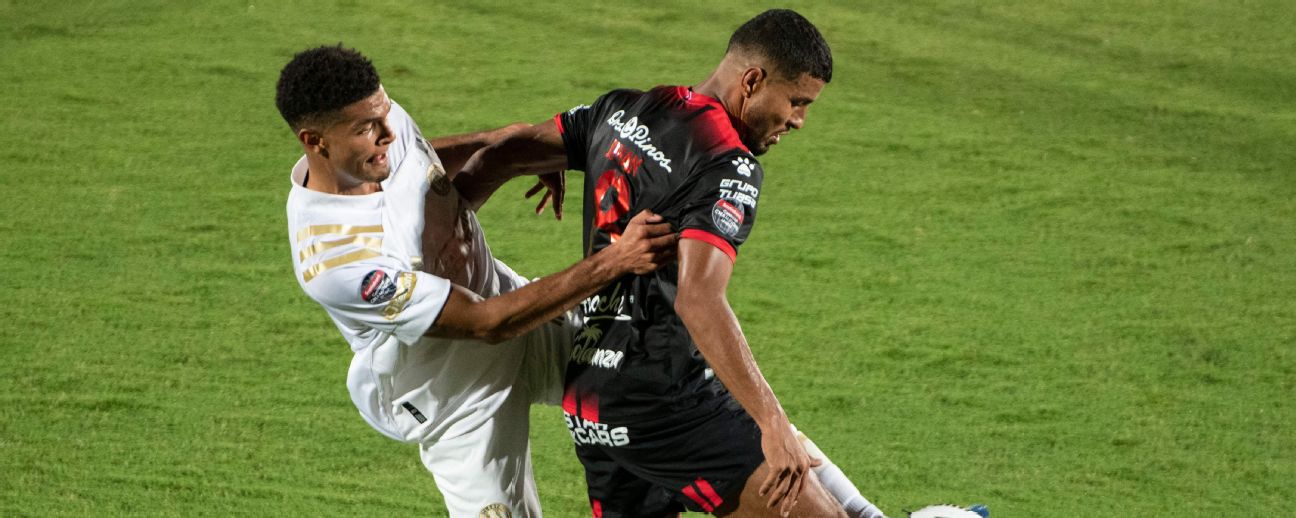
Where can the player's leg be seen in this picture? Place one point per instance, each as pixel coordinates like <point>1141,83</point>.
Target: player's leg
<point>487,470</point>
<point>814,501</point>
<point>615,492</point>
<point>835,482</point>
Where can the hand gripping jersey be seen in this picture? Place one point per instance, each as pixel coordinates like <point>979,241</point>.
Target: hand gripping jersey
<point>361,258</point>
<point>675,152</point>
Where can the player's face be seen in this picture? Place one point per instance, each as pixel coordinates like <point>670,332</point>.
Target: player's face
<point>777,106</point>
<point>356,145</point>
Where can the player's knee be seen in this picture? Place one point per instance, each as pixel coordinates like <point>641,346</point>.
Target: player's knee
<point>815,501</point>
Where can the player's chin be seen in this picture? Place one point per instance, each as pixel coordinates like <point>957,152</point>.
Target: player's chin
<point>376,173</point>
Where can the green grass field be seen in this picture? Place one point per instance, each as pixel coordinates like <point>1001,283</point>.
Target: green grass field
<point>1038,255</point>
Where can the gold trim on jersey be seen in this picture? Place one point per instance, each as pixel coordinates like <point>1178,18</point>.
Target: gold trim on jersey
<point>319,230</point>
<point>373,243</point>
<point>406,281</point>
<point>321,267</point>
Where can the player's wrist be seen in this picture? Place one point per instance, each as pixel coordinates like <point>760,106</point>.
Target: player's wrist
<point>605,266</point>
<point>774,424</point>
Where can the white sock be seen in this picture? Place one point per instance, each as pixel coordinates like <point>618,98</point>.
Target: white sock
<point>837,485</point>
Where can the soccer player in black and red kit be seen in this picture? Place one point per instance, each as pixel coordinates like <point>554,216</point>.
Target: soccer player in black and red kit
<point>664,400</point>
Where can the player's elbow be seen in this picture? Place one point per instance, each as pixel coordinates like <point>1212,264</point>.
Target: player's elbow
<point>497,335</point>
<point>494,328</point>
<point>468,316</point>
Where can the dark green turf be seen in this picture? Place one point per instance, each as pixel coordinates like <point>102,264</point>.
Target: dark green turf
<point>1038,256</point>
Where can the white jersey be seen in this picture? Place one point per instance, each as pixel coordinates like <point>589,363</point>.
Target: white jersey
<point>361,258</point>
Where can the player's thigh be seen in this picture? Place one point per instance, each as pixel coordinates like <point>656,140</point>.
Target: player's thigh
<point>615,492</point>
<point>814,502</point>
<point>487,469</point>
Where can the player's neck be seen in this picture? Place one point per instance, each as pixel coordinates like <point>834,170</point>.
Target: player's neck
<point>723,85</point>
<point>723,89</point>
<point>321,178</point>
<point>712,87</point>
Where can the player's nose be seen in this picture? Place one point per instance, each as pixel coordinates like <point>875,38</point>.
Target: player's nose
<point>387,135</point>
<point>797,120</point>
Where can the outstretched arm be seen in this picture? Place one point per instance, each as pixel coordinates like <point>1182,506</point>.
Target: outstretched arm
<point>532,150</point>
<point>647,244</point>
<point>704,273</point>
<point>455,150</point>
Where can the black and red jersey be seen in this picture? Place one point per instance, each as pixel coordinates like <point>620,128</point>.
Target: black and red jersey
<point>675,152</point>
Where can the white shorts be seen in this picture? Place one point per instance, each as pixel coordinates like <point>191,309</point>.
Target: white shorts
<point>486,473</point>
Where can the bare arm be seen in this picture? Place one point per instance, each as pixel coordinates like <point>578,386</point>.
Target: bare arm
<point>532,150</point>
<point>455,150</point>
<point>645,246</point>
<point>701,303</point>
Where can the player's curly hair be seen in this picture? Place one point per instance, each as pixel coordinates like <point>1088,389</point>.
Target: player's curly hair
<point>789,41</point>
<point>320,81</point>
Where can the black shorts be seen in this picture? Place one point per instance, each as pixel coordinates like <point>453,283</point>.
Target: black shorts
<point>692,461</point>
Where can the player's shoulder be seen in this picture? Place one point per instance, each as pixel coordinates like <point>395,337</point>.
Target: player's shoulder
<point>322,242</point>
<point>398,113</point>
<point>406,129</point>
<point>711,131</point>
<point>623,94</point>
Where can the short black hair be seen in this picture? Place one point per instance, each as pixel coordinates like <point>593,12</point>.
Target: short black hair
<point>323,80</point>
<point>789,41</point>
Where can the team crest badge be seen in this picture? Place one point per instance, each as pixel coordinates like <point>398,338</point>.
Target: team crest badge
<point>377,287</point>
<point>495,511</point>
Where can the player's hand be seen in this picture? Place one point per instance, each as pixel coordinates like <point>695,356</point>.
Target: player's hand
<point>789,466</point>
<point>556,183</point>
<point>647,244</point>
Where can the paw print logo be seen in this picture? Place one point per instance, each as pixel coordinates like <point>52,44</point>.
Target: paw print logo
<point>743,164</point>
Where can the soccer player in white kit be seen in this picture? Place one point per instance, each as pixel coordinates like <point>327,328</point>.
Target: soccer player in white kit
<point>382,239</point>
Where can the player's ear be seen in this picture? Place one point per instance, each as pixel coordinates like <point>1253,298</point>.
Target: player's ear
<point>312,140</point>
<point>752,80</point>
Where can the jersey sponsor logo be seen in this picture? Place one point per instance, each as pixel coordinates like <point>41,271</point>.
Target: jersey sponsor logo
<point>727,218</point>
<point>495,511</point>
<point>743,165</point>
<point>738,191</point>
<point>585,354</point>
<point>638,135</point>
<point>377,287</point>
<point>577,108</point>
<point>598,313</point>
<point>589,432</point>
<point>607,305</point>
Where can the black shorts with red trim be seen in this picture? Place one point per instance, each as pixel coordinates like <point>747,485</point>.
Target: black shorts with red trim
<point>693,461</point>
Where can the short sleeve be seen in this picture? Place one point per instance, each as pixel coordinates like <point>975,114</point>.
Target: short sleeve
<point>720,206</point>
<point>577,127</point>
<point>383,297</point>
